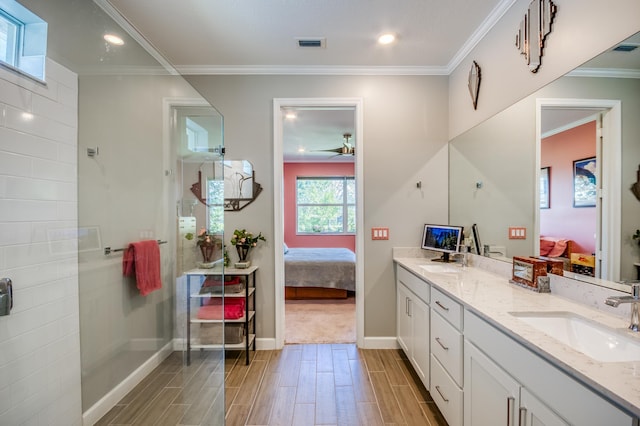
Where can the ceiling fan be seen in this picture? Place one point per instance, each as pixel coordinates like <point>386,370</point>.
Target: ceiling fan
<point>347,147</point>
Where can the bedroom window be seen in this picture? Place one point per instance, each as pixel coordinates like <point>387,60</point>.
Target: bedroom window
<point>326,205</point>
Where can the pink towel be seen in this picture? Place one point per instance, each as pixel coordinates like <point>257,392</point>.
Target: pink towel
<point>212,310</point>
<point>142,258</point>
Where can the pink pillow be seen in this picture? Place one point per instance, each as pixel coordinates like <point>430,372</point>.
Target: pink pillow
<point>546,245</point>
<point>558,248</point>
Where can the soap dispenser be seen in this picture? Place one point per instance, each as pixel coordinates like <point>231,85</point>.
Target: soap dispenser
<point>6,296</point>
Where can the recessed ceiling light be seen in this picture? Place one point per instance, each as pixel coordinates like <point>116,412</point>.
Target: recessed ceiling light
<point>387,38</point>
<point>113,39</point>
<point>301,150</point>
<point>290,115</point>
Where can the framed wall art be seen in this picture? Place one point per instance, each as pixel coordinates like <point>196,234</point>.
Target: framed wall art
<point>585,189</point>
<point>545,200</point>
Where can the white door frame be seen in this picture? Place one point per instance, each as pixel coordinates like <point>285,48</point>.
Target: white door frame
<point>278,195</point>
<point>611,176</point>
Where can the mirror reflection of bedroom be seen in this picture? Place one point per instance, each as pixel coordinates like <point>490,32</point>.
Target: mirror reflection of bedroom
<point>569,214</point>
<point>319,225</point>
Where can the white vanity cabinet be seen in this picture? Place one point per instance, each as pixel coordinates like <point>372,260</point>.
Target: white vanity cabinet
<point>533,412</point>
<point>504,380</point>
<point>490,393</point>
<point>492,396</point>
<point>412,298</point>
<point>446,356</point>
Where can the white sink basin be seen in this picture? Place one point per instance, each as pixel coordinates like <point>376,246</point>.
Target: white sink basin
<point>594,340</point>
<point>441,267</point>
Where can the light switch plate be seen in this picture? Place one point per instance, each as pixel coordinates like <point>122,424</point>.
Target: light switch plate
<point>379,233</point>
<point>517,233</point>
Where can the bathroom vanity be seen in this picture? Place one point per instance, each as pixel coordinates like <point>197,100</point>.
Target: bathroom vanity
<point>494,355</point>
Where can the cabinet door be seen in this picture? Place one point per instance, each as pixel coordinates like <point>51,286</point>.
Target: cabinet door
<point>419,312</point>
<point>491,396</point>
<point>403,318</point>
<point>534,413</point>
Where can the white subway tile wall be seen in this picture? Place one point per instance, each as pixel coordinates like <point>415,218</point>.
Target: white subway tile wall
<point>40,339</point>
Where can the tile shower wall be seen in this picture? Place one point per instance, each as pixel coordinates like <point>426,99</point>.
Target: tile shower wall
<point>39,340</point>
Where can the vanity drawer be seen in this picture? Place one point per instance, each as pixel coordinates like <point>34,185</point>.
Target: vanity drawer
<point>419,287</point>
<point>446,346</point>
<point>445,393</point>
<point>447,307</point>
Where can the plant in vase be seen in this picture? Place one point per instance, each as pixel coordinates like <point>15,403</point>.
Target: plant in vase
<point>244,242</point>
<point>209,245</point>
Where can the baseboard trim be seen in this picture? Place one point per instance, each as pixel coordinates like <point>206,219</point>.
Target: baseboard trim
<point>269,343</point>
<point>107,402</point>
<point>265,344</point>
<point>390,342</point>
<point>179,344</point>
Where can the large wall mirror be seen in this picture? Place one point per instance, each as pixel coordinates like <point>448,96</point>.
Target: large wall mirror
<point>238,178</point>
<point>201,135</point>
<point>523,168</point>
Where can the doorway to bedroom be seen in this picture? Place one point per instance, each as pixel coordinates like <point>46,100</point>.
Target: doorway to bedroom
<point>317,151</point>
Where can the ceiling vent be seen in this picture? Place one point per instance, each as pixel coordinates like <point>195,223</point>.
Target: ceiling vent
<point>314,43</point>
<point>625,48</point>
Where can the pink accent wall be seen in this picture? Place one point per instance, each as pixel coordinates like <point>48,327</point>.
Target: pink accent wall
<point>563,220</point>
<point>290,172</point>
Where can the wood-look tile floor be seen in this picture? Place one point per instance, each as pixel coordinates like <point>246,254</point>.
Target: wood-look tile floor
<point>323,384</point>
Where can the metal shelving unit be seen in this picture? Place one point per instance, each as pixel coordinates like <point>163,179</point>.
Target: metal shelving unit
<point>248,319</point>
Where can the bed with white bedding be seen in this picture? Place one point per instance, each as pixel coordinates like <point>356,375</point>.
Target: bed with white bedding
<point>319,272</point>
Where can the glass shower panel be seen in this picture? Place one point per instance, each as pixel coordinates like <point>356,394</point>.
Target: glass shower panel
<point>197,136</point>
<point>130,178</point>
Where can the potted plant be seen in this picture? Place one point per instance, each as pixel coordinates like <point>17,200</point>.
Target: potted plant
<point>208,244</point>
<point>244,242</point>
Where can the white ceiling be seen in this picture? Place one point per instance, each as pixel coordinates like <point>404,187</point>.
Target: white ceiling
<point>316,129</point>
<point>259,37</point>
<point>249,36</point>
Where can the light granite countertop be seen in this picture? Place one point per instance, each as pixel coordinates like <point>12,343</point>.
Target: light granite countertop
<point>490,295</point>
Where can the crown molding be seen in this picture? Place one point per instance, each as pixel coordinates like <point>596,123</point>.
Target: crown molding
<point>570,126</point>
<point>490,21</point>
<point>604,72</point>
<point>309,70</point>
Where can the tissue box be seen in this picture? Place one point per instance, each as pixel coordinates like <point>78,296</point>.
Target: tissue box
<point>530,273</point>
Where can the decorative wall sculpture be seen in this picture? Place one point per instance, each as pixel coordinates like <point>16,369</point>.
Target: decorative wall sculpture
<point>474,83</point>
<point>533,31</point>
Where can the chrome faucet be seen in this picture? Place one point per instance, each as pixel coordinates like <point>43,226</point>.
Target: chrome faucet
<point>486,251</point>
<point>634,299</point>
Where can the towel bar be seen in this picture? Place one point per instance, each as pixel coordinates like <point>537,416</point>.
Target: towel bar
<point>109,250</point>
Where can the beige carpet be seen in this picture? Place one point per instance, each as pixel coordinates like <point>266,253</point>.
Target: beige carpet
<point>320,321</point>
